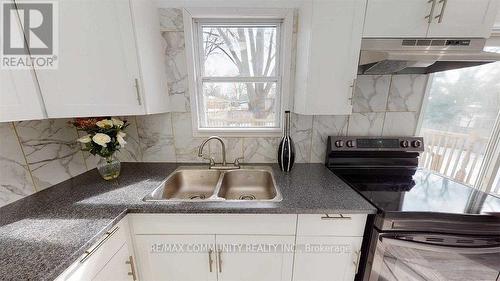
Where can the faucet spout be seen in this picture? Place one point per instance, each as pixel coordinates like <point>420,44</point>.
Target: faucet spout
<point>200,150</point>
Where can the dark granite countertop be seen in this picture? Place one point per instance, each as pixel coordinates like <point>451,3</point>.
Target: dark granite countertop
<point>42,234</point>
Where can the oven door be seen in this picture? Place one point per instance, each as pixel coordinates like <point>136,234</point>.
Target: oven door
<point>417,256</point>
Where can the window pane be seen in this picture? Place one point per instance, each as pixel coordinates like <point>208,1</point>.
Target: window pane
<point>496,184</point>
<point>239,105</point>
<point>458,120</point>
<point>239,50</point>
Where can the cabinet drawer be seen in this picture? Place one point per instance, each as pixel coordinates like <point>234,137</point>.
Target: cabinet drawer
<point>213,224</point>
<point>331,225</point>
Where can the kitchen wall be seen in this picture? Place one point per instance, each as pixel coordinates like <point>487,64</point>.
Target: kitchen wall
<point>35,155</point>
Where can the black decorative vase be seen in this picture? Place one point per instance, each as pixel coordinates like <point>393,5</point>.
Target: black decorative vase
<point>286,150</point>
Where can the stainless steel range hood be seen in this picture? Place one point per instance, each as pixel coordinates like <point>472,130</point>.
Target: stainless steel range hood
<point>421,56</point>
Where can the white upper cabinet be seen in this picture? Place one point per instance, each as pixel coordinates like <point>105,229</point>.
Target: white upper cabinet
<point>463,18</point>
<point>430,18</point>
<point>109,61</point>
<point>98,72</point>
<point>328,45</point>
<point>397,18</point>
<point>150,52</point>
<point>19,95</point>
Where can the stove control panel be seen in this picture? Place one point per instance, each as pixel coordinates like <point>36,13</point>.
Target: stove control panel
<point>376,144</point>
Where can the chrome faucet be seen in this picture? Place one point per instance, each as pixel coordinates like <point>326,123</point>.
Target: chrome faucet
<point>202,145</point>
<point>219,166</point>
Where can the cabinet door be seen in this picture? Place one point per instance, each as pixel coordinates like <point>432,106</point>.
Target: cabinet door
<point>326,258</point>
<point>176,257</point>
<point>118,268</point>
<point>150,48</point>
<point>397,18</point>
<point>97,62</point>
<point>96,258</point>
<point>328,44</point>
<point>19,96</point>
<point>250,258</point>
<point>463,18</point>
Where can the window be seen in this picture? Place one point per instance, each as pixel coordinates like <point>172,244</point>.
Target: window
<point>239,75</point>
<point>458,122</point>
<point>495,187</point>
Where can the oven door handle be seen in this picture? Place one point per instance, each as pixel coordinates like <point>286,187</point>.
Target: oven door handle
<point>440,248</point>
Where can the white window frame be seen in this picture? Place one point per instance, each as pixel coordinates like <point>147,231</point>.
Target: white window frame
<point>194,17</point>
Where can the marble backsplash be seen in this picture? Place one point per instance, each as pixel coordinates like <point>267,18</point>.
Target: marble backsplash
<point>35,155</point>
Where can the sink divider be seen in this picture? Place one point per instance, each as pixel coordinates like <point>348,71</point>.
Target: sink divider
<point>215,195</point>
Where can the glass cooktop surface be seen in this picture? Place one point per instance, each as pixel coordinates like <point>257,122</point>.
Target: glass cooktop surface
<point>418,190</point>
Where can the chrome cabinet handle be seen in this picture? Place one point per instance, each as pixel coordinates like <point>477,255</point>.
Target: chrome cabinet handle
<point>356,261</point>
<point>352,88</point>
<point>441,14</point>
<point>219,254</point>
<point>90,252</point>
<point>339,217</point>
<point>210,261</point>
<point>353,84</point>
<point>431,14</point>
<point>132,268</point>
<point>137,91</point>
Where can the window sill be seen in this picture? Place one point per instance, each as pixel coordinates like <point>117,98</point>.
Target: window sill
<point>238,133</point>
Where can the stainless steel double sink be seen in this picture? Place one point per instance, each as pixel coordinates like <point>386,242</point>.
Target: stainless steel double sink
<point>200,184</point>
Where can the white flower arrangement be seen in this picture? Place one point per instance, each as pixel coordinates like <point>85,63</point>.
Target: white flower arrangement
<point>104,136</point>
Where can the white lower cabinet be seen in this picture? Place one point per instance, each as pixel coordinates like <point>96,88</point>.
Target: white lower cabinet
<point>118,268</point>
<point>225,247</point>
<point>237,247</point>
<point>250,258</point>
<point>176,257</point>
<point>110,259</point>
<point>326,258</point>
<point>214,257</point>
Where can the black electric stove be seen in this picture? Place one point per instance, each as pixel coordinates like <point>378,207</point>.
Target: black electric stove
<point>422,216</point>
<point>418,190</point>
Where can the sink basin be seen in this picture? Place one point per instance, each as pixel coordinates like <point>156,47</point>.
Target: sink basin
<point>247,184</point>
<point>187,184</point>
<point>199,184</point>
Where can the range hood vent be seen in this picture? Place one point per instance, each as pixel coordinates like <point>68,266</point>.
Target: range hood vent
<point>421,56</point>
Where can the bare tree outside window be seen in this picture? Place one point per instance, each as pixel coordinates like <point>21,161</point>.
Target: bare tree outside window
<point>239,84</point>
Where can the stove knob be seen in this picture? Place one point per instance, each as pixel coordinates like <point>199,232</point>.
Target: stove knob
<point>405,143</point>
<point>339,143</point>
<point>416,143</point>
<point>350,143</point>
